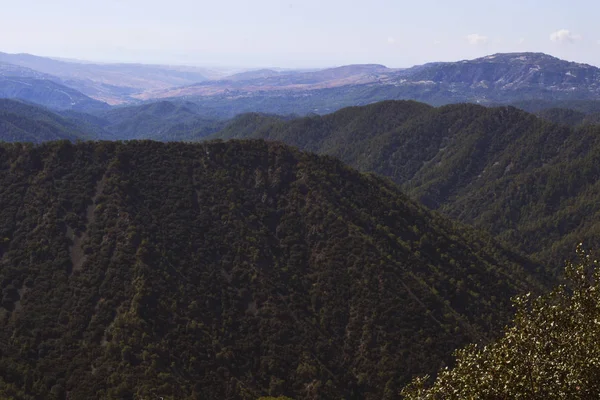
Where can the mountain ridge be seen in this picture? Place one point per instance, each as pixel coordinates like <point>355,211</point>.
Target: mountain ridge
<point>497,78</point>
<point>230,270</point>
<point>464,160</point>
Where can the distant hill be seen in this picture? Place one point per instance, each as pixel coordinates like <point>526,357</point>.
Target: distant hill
<point>229,270</point>
<point>510,76</point>
<point>163,120</point>
<point>11,70</point>
<point>47,93</point>
<point>499,78</point>
<point>268,82</point>
<point>529,182</point>
<point>21,122</point>
<point>538,105</point>
<point>254,74</point>
<point>504,78</point>
<point>113,83</point>
<point>567,116</point>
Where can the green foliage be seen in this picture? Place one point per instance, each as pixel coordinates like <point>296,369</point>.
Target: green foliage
<point>162,120</point>
<point>550,351</point>
<point>530,183</point>
<point>21,122</point>
<point>230,270</point>
<point>567,116</point>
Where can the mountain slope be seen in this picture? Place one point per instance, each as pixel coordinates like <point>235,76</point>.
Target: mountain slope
<point>163,120</point>
<point>528,181</point>
<point>47,93</point>
<point>21,122</point>
<point>271,81</point>
<point>567,116</point>
<point>113,83</point>
<point>229,270</point>
<point>499,78</point>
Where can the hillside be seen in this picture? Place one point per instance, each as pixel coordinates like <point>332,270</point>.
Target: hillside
<point>47,93</point>
<point>229,270</point>
<point>112,83</point>
<point>163,120</point>
<point>506,78</point>
<point>270,81</point>
<point>529,182</point>
<point>567,116</point>
<point>22,122</point>
<point>499,78</point>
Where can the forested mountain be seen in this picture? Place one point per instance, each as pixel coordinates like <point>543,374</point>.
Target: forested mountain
<point>229,270</point>
<point>529,182</point>
<point>47,93</point>
<point>163,120</point>
<point>567,116</point>
<point>22,122</point>
<point>539,105</point>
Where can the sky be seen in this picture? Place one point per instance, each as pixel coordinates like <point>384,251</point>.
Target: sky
<point>298,34</point>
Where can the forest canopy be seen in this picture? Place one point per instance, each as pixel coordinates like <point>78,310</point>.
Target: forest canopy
<point>550,352</point>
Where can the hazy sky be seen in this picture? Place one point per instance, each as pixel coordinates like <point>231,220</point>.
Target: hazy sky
<point>307,33</point>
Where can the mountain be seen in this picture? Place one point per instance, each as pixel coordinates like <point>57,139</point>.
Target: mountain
<point>163,120</point>
<point>539,105</point>
<point>229,270</point>
<point>47,93</point>
<point>10,70</point>
<point>21,122</point>
<point>112,83</point>
<point>270,81</point>
<point>567,116</point>
<point>529,182</point>
<point>254,74</point>
<point>499,78</point>
<point>506,77</point>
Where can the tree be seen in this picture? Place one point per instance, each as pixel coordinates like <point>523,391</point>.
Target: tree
<point>550,351</point>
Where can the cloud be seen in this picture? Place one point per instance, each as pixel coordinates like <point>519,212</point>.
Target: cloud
<point>391,40</point>
<point>476,39</point>
<point>564,36</point>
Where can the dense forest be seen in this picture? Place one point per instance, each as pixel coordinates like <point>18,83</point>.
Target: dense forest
<point>527,179</point>
<point>166,121</point>
<point>550,351</point>
<point>230,270</point>
<point>23,122</point>
<point>529,182</point>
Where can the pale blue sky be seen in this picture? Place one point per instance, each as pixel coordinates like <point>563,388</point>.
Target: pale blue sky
<point>307,33</point>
